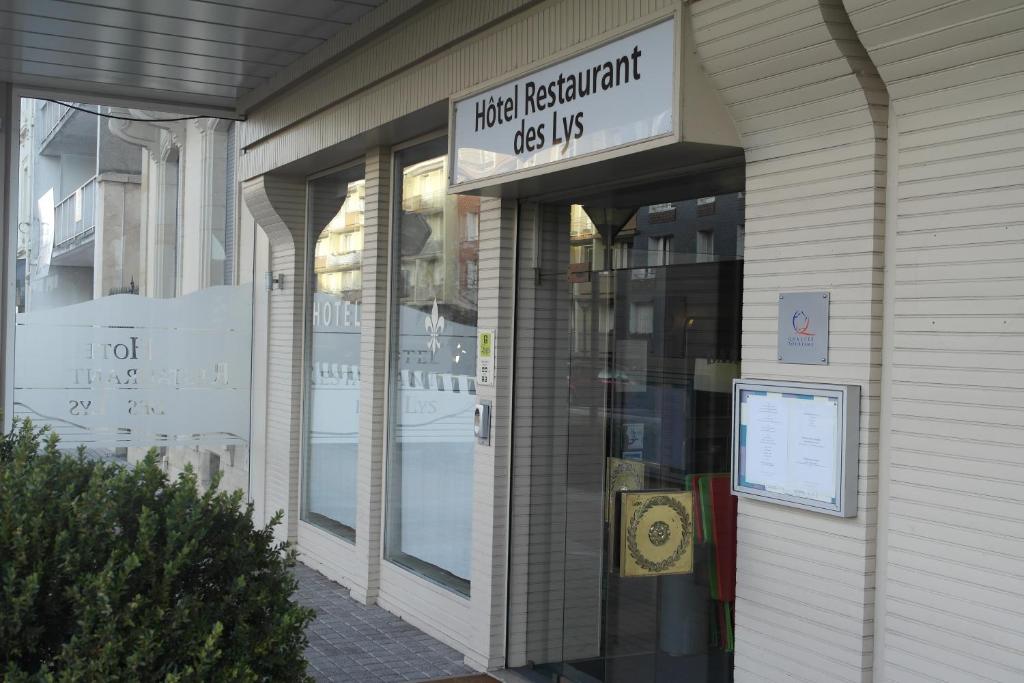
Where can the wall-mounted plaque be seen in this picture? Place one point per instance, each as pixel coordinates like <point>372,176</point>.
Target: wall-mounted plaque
<point>656,533</point>
<point>803,328</point>
<point>795,443</point>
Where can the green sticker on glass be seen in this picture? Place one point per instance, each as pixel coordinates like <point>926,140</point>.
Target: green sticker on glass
<point>484,356</point>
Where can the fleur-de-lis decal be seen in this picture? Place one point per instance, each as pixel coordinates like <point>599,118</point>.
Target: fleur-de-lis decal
<point>435,326</point>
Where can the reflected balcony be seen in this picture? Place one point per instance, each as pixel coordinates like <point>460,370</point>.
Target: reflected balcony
<point>63,130</point>
<point>74,226</point>
<point>345,261</point>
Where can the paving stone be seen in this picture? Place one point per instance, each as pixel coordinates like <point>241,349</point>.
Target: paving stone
<point>352,643</point>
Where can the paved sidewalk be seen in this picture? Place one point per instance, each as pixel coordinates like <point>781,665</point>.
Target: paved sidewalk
<point>351,642</point>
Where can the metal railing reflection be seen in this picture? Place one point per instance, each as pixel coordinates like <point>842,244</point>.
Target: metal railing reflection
<point>53,115</point>
<point>75,214</point>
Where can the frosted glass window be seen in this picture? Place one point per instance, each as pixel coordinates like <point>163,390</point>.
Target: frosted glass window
<point>123,340</point>
<point>433,360</point>
<point>330,456</point>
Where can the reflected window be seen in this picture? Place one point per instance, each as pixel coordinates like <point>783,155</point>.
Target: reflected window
<point>167,235</point>
<point>705,246</point>
<point>332,407</point>
<point>435,262</point>
<point>660,251</point>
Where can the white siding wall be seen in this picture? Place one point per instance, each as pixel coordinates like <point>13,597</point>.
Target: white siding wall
<point>333,557</point>
<point>811,113</point>
<point>919,236</point>
<point>278,205</point>
<point>254,245</point>
<point>496,304</point>
<point>951,555</point>
<point>373,348</point>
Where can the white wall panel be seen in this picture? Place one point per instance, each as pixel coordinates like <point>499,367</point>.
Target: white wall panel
<point>328,554</point>
<point>278,205</point>
<point>810,111</point>
<point>373,319</point>
<point>951,541</point>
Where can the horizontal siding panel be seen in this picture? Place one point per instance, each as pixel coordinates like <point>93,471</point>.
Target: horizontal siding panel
<point>981,414</point>
<point>968,54</point>
<point>954,536</point>
<point>963,93</point>
<point>974,149</point>
<point>996,508</point>
<point>979,33</point>
<point>929,18</point>
<point>952,659</point>
<point>960,532</point>
<point>774,66</point>
<point>969,395</point>
<point>913,596</point>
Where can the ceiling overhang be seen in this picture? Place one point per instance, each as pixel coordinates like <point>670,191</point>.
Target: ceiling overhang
<point>216,57</point>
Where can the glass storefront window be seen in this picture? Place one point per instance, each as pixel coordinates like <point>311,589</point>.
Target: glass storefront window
<point>332,408</point>
<point>635,445</point>
<point>123,341</point>
<point>433,360</point>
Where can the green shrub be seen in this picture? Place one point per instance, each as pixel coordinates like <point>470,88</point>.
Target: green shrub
<point>114,573</point>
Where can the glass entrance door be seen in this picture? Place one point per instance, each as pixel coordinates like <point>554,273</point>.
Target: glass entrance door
<point>654,306</point>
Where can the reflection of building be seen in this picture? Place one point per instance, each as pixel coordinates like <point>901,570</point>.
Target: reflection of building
<point>137,206</point>
<point>694,231</point>
<point>701,230</point>
<point>112,206</point>
<point>88,182</point>
<point>338,250</point>
<point>435,266</point>
<point>468,215</point>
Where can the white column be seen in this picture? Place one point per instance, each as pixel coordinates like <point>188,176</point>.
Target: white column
<point>8,244</point>
<point>373,317</point>
<point>278,204</point>
<point>491,462</point>
<point>205,213</point>
<point>811,112</point>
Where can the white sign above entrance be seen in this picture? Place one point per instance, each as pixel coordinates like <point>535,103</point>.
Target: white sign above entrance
<point>619,94</point>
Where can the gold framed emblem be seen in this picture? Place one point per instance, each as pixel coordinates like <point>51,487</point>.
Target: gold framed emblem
<point>656,533</point>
